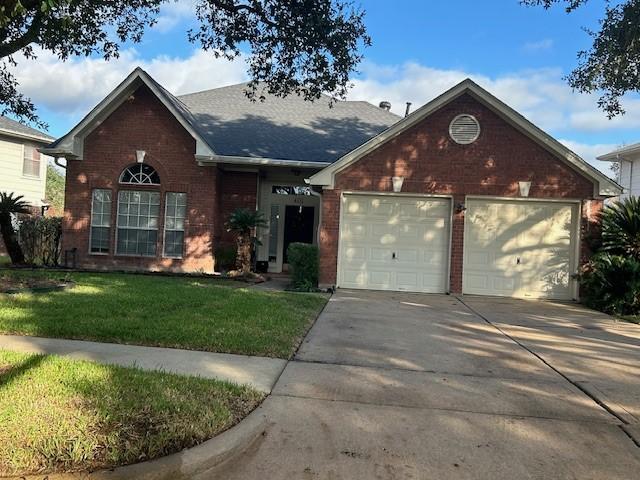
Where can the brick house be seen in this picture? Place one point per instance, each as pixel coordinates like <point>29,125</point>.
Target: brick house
<point>464,195</point>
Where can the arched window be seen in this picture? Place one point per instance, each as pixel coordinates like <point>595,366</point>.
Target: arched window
<point>140,174</point>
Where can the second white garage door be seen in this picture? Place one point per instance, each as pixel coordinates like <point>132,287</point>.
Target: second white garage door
<point>394,243</point>
<point>519,248</point>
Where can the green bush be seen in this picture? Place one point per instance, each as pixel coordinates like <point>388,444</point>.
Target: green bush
<point>304,266</point>
<point>611,283</point>
<point>621,227</point>
<point>40,238</point>
<point>225,258</point>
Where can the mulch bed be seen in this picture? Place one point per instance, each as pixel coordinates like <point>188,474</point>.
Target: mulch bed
<point>10,284</point>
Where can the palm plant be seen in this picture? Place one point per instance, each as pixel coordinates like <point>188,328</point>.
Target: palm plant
<point>243,223</point>
<point>621,227</point>
<point>11,205</point>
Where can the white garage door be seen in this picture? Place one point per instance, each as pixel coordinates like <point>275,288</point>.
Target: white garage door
<point>519,248</point>
<point>394,243</point>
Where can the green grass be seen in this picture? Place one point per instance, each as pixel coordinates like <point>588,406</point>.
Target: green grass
<point>631,318</point>
<point>181,312</point>
<point>66,415</point>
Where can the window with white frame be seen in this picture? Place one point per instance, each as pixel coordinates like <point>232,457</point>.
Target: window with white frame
<point>140,174</point>
<point>175,212</point>
<point>100,221</point>
<point>137,226</point>
<point>31,162</point>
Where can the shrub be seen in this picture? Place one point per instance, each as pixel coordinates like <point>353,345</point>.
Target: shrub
<point>621,227</point>
<point>304,265</point>
<point>39,238</point>
<point>225,258</point>
<point>611,283</point>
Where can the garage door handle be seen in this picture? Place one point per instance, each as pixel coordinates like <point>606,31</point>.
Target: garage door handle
<point>517,260</point>
<point>393,255</point>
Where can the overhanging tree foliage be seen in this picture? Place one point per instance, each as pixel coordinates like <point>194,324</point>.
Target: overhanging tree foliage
<point>295,46</point>
<point>611,66</point>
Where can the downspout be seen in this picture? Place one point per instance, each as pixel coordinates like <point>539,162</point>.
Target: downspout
<point>56,160</point>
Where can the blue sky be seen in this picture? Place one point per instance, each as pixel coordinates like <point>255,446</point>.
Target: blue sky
<point>420,48</point>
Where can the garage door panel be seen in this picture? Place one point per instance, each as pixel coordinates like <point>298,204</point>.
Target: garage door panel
<point>410,227</point>
<point>518,248</point>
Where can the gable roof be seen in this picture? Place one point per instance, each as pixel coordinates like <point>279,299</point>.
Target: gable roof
<point>71,145</point>
<point>230,128</point>
<point>604,185</point>
<point>15,129</point>
<point>621,153</point>
<point>288,128</point>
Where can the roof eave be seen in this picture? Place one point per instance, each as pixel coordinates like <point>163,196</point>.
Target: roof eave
<point>276,162</point>
<point>26,136</point>
<point>71,144</point>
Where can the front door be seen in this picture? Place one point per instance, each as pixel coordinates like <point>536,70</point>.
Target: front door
<point>298,226</point>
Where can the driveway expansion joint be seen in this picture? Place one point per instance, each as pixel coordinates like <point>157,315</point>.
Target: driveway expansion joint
<point>576,384</point>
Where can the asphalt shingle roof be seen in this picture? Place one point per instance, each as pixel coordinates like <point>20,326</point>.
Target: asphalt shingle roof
<point>11,126</point>
<point>287,128</point>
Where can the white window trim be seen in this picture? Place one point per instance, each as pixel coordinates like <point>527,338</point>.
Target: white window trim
<point>27,175</point>
<point>91,221</point>
<point>138,255</point>
<point>165,230</point>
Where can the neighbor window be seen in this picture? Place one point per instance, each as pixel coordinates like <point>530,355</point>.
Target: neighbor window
<point>31,162</point>
<point>100,221</point>
<point>137,232</point>
<point>175,212</point>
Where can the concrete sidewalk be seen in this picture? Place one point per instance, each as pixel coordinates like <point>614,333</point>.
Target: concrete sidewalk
<point>259,372</point>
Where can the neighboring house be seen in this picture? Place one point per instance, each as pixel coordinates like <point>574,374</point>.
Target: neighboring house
<point>463,196</point>
<point>629,159</point>
<point>23,170</point>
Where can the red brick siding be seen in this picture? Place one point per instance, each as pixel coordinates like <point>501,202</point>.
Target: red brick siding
<point>432,163</point>
<point>143,123</point>
<point>238,190</point>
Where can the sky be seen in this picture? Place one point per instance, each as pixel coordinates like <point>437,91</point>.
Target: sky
<point>420,49</point>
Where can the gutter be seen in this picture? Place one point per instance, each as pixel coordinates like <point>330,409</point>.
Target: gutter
<point>215,159</point>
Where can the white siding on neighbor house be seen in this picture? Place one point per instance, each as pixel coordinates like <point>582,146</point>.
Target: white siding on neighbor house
<point>11,176</point>
<point>630,178</point>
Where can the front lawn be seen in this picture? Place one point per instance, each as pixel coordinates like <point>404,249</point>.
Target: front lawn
<point>61,415</point>
<point>181,312</point>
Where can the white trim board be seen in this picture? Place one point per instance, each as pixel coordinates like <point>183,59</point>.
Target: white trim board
<point>71,145</point>
<point>604,186</point>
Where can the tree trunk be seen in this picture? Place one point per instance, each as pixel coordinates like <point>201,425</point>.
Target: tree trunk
<point>243,257</point>
<point>11,240</point>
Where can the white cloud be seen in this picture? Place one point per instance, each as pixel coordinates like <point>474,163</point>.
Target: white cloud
<point>174,13</point>
<point>73,87</point>
<point>541,95</point>
<point>540,45</point>
<point>589,152</point>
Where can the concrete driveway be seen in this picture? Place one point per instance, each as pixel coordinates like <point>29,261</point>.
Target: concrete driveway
<point>407,386</point>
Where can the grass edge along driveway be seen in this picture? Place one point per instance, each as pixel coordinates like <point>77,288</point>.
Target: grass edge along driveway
<point>63,415</point>
<point>176,312</point>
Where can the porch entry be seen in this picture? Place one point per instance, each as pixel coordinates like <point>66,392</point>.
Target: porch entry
<point>292,213</point>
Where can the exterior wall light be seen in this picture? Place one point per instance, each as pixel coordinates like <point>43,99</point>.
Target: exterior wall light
<point>524,188</point>
<point>460,207</point>
<point>397,183</point>
<point>140,154</point>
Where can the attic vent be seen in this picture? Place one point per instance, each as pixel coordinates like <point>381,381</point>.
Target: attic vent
<point>464,129</point>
